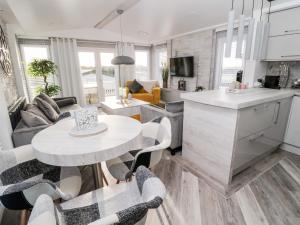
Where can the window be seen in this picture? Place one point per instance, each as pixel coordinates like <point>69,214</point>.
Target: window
<point>226,68</point>
<point>98,74</point>
<point>28,53</point>
<point>142,65</point>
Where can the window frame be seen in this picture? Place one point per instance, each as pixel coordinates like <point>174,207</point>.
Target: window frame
<point>98,66</point>
<point>24,65</point>
<point>219,52</point>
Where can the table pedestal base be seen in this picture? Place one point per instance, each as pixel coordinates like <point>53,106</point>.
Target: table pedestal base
<point>98,176</point>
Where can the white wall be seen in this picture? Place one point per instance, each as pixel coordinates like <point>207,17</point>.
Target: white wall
<point>6,130</point>
<point>201,46</point>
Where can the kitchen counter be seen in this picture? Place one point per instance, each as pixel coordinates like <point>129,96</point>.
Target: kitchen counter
<point>225,133</point>
<point>245,98</point>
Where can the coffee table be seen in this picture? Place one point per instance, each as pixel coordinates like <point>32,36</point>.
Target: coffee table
<point>131,107</point>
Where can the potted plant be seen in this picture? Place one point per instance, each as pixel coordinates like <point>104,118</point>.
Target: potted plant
<point>44,68</point>
<point>165,75</point>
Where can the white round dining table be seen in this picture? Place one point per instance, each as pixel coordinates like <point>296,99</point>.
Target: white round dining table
<point>55,146</point>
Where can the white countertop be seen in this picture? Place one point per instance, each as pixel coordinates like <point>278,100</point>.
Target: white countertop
<point>246,98</point>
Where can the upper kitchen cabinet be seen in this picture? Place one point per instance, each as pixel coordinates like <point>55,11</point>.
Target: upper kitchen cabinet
<point>285,22</point>
<point>284,36</point>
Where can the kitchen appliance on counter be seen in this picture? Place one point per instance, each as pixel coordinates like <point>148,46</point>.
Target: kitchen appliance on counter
<point>272,82</point>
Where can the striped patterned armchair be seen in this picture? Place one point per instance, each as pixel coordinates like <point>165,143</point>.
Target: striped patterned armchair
<point>127,203</point>
<point>23,179</point>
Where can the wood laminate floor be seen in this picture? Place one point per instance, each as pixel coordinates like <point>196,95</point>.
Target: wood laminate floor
<point>266,194</point>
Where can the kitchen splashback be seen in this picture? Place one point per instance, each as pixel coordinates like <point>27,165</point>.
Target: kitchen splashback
<point>274,69</point>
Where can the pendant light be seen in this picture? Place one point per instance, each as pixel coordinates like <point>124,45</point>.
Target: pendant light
<point>266,33</point>
<point>122,59</point>
<point>259,35</point>
<point>250,34</point>
<point>240,38</point>
<point>230,29</point>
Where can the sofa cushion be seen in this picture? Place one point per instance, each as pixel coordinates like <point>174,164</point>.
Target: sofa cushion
<point>49,101</point>
<point>47,109</point>
<point>70,108</point>
<point>135,87</point>
<point>32,120</point>
<point>149,85</point>
<point>35,110</point>
<point>65,102</point>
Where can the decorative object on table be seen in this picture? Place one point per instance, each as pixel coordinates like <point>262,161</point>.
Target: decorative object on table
<point>5,59</point>
<point>86,118</point>
<point>43,68</point>
<point>182,85</point>
<point>165,75</point>
<point>199,88</point>
<point>87,122</point>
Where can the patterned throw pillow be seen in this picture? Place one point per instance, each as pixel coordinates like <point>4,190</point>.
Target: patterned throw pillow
<point>135,87</point>
<point>32,120</point>
<point>35,110</point>
<point>47,109</point>
<point>50,101</point>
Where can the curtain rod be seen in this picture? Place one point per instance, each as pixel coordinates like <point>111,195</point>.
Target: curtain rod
<point>80,40</point>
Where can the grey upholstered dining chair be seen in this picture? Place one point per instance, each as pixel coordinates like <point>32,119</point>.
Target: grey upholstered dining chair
<point>126,203</point>
<point>23,179</point>
<point>157,137</point>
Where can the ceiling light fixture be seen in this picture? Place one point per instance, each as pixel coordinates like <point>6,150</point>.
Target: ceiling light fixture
<point>230,29</point>
<point>250,34</point>
<point>122,59</point>
<point>240,37</point>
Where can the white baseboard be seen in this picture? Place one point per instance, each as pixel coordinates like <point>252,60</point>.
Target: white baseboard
<point>290,148</point>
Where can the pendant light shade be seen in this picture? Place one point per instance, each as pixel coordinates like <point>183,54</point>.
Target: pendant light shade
<point>229,35</point>
<point>240,39</point>
<point>250,34</point>
<point>122,60</point>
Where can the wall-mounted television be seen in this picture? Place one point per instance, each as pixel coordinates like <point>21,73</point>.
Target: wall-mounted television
<point>182,66</point>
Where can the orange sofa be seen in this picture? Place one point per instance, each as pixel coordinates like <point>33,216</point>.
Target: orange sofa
<point>150,92</point>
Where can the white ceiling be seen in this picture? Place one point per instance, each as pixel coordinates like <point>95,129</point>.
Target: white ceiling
<point>148,21</point>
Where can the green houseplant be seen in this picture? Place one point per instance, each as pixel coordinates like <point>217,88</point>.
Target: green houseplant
<point>43,68</point>
<point>165,75</point>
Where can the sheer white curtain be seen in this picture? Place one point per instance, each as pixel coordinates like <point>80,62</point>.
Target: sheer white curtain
<point>127,71</point>
<point>65,56</point>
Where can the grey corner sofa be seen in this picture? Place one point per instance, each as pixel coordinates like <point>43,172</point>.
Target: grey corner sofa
<point>22,134</point>
<point>172,110</point>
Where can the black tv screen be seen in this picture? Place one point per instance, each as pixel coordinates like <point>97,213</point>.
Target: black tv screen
<point>182,66</point>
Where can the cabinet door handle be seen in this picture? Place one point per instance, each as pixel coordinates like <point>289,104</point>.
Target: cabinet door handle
<point>278,112</point>
<point>287,56</point>
<point>292,31</point>
<point>255,137</point>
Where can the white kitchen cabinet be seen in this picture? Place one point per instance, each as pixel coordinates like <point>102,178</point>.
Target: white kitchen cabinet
<point>285,22</point>
<point>266,125</point>
<point>292,136</point>
<point>284,37</point>
<point>284,48</point>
